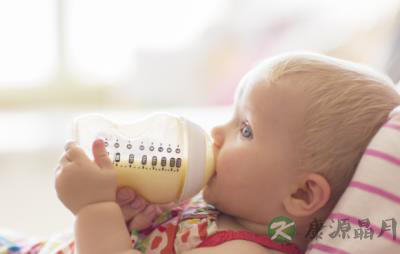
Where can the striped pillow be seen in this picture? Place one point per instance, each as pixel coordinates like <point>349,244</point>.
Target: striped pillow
<point>373,194</point>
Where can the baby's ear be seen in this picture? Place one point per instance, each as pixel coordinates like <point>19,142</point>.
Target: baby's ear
<point>309,196</point>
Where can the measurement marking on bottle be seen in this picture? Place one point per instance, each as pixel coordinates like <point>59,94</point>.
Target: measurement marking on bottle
<point>131,158</point>
<point>117,157</point>
<point>144,159</point>
<point>163,161</point>
<point>154,160</point>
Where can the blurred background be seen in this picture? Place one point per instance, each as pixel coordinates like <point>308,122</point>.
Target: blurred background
<point>126,58</point>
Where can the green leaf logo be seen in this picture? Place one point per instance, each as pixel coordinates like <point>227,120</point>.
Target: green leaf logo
<point>281,229</point>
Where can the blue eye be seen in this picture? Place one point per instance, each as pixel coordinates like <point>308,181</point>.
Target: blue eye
<point>246,131</point>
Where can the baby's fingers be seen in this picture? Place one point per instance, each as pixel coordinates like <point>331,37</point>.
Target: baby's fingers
<point>100,154</point>
<point>73,152</point>
<point>66,157</point>
<point>125,195</point>
<point>61,164</point>
<point>166,206</point>
<point>143,219</point>
<point>64,160</point>
<point>130,210</point>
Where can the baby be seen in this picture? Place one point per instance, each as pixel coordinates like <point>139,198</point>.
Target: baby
<point>300,125</point>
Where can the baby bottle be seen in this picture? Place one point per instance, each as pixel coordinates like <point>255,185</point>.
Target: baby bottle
<point>162,157</point>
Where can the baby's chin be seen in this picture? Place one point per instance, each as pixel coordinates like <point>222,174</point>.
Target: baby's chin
<point>209,191</point>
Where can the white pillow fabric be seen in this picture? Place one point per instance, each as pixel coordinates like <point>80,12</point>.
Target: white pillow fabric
<point>374,194</point>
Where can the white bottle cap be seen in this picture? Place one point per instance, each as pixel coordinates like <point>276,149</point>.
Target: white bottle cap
<point>199,159</point>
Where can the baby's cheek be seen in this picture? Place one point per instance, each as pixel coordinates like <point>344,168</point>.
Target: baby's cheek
<point>232,157</point>
<point>229,168</point>
<point>224,162</point>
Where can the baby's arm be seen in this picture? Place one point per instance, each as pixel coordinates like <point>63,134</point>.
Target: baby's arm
<point>100,228</point>
<point>88,190</point>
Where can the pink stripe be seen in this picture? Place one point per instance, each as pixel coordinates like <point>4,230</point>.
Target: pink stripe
<point>392,126</point>
<point>353,220</point>
<point>383,156</point>
<point>375,190</point>
<point>326,248</point>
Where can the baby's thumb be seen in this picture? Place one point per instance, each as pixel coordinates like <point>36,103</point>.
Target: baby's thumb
<point>100,154</point>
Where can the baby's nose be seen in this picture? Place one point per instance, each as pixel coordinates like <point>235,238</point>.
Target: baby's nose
<point>217,136</point>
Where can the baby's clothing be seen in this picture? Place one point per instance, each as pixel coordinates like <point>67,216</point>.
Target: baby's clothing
<point>192,225</point>
<point>188,226</point>
<point>15,243</point>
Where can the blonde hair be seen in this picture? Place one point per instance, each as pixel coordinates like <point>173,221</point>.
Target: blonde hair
<point>346,104</point>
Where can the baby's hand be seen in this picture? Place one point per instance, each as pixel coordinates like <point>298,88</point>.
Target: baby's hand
<point>80,181</point>
<point>138,213</point>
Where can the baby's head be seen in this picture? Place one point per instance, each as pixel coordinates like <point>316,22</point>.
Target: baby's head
<point>301,124</point>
